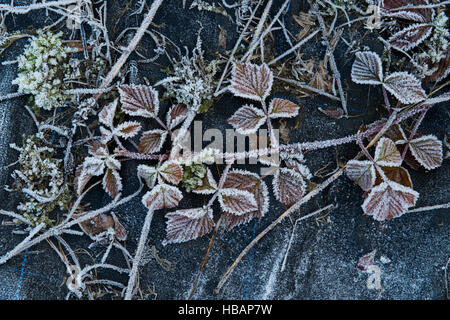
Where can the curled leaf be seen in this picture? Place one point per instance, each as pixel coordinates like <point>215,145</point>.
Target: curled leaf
<point>387,154</point>
<point>411,36</point>
<point>112,183</point>
<point>127,129</point>
<point>106,116</point>
<point>176,115</point>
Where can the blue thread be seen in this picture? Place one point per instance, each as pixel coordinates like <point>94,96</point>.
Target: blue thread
<point>154,74</point>
<point>19,284</point>
<point>250,264</point>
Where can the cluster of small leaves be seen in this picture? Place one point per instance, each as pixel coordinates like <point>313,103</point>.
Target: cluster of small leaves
<point>193,176</point>
<point>367,69</point>
<point>424,27</point>
<point>388,186</point>
<point>40,179</point>
<point>193,80</point>
<point>41,69</point>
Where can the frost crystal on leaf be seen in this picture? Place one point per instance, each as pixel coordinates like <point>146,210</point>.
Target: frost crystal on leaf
<point>281,108</point>
<point>362,173</point>
<point>139,100</point>
<point>367,68</point>
<point>288,186</point>
<point>389,200</point>
<point>427,150</point>
<point>237,201</point>
<point>411,36</point>
<point>251,81</point>
<point>247,119</point>
<point>147,173</point>
<point>405,87</point>
<point>152,141</point>
<point>189,224</point>
<point>162,196</point>
<point>387,154</point>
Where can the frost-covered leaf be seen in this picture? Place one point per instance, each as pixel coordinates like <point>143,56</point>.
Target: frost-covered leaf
<point>120,231</point>
<point>171,172</point>
<point>251,182</point>
<point>189,224</point>
<point>251,81</point>
<point>98,224</point>
<point>299,167</point>
<point>387,154</point>
<point>237,201</point>
<point>335,113</point>
<point>281,108</point>
<point>152,141</point>
<point>288,186</point>
<point>247,119</point>
<point>94,166</point>
<point>176,115</point>
<point>139,100</point>
<point>127,129</point>
<point>391,8</point>
<point>441,68</point>
<point>366,260</point>
<point>112,183</point>
<point>113,163</point>
<point>97,149</point>
<point>411,36</point>
<point>107,135</point>
<point>81,179</point>
<point>427,150</point>
<point>367,68</point>
<point>362,173</point>
<point>149,174</point>
<point>209,185</point>
<point>106,116</point>
<point>396,174</point>
<point>405,87</point>
<point>389,200</point>
<point>162,196</point>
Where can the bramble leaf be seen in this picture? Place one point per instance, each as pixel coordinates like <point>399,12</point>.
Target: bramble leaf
<point>251,81</point>
<point>405,87</point>
<point>209,185</point>
<point>387,154</point>
<point>411,36</point>
<point>106,116</point>
<point>139,100</point>
<point>176,115</point>
<point>362,173</point>
<point>389,200</point>
<point>189,224</point>
<point>171,172</point>
<point>162,196</point>
<point>281,108</point>
<point>127,129</point>
<point>288,186</point>
<point>112,182</point>
<point>427,150</point>
<point>152,141</point>
<point>247,119</point>
<point>367,68</point>
<point>237,201</point>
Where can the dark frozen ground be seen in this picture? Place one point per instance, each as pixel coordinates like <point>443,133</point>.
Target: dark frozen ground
<point>322,260</point>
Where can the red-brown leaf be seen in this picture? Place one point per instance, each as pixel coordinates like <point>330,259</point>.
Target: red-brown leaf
<point>251,81</point>
<point>152,141</point>
<point>139,100</point>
